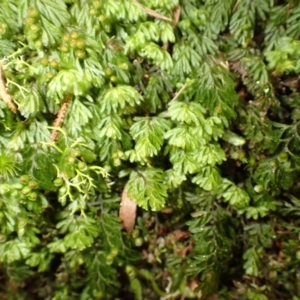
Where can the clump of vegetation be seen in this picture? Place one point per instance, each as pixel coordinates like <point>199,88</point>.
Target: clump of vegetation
<point>149,149</point>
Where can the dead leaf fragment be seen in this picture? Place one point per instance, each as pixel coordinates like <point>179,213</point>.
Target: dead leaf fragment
<point>176,16</point>
<point>193,284</point>
<point>60,117</point>
<point>4,95</point>
<point>127,212</point>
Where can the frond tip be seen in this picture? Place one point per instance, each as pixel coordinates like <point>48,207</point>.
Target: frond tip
<point>8,166</point>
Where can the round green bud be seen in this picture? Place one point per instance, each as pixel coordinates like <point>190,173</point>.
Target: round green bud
<point>218,109</point>
<point>109,72</point>
<point>138,242</point>
<point>80,54</point>
<point>130,271</point>
<point>38,44</point>
<point>73,43</point>
<point>26,190</point>
<point>44,61</point>
<point>32,184</point>
<point>62,191</point>
<point>93,12</point>
<point>32,196</point>
<point>113,78</point>
<point>102,18</point>
<point>33,12</point>
<point>74,34</point>
<point>35,28</point>
<point>283,156</point>
<point>121,154</point>
<point>81,166</point>
<point>21,231</point>
<point>114,252</point>
<point>25,178</point>
<point>258,188</point>
<point>49,75</point>
<point>80,44</point>
<point>96,27</point>
<point>54,64</point>
<point>29,21</point>
<point>76,153</point>
<point>117,162</point>
<point>109,259</point>
<point>123,66</point>
<point>96,4</point>
<point>64,48</point>
<point>5,188</point>
<point>2,31</point>
<point>71,159</point>
<point>66,37</point>
<point>58,181</point>
<point>135,233</point>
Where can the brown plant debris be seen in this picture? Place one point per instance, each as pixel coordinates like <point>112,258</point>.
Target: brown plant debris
<point>60,117</point>
<point>176,16</point>
<point>193,285</point>
<point>8,100</point>
<point>127,212</point>
<point>152,12</point>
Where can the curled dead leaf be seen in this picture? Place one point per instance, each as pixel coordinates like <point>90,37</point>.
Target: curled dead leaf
<point>127,212</point>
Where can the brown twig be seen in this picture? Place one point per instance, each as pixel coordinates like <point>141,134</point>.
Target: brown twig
<point>236,5</point>
<point>152,12</point>
<point>60,117</point>
<point>176,18</point>
<point>8,100</point>
<point>179,92</point>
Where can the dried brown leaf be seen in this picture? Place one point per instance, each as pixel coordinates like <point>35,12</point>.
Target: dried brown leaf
<point>127,212</point>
